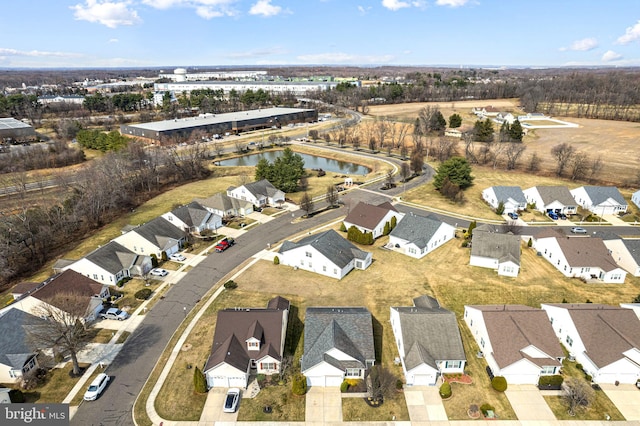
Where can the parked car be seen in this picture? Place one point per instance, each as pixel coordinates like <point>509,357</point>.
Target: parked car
<point>159,272</point>
<point>114,313</point>
<point>578,230</point>
<point>96,387</point>
<point>513,215</point>
<point>231,401</point>
<point>224,244</point>
<point>553,215</point>
<point>177,256</point>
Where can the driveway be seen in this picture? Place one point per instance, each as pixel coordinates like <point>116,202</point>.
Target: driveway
<point>528,403</point>
<point>212,411</point>
<point>626,398</point>
<point>424,404</point>
<point>323,405</point>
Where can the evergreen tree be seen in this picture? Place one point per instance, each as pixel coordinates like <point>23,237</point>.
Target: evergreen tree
<point>457,170</point>
<point>516,132</point>
<point>387,229</point>
<point>199,382</point>
<point>455,121</point>
<point>394,222</point>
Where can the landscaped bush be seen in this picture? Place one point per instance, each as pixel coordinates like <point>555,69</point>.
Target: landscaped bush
<point>143,294</point>
<point>199,381</point>
<point>399,384</point>
<point>276,260</point>
<point>299,385</point>
<point>154,260</point>
<point>16,396</point>
<point>344,386</point>
<point>499,383</point>
<point>486,407</point>
<point>445,390</point>
<point>343,228</point>
<point>230,285</point>
<point>164,256</point>
<point>578,366</point>
<point>123,281</point>
<point>551,381</point>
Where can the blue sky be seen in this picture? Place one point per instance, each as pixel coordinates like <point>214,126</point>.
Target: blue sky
<point>141,33</point>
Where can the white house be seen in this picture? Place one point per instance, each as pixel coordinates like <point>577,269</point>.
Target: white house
<point>370,218</point>
<point>600,200</point>
<point>557,199</point>
<point>504,116</point>
<point>154,237</point>
<point>483,112</point>
<point>580,257</point>
<point>260,193</point>
<point>193,218</point>
<point>338,345</point>
<point>428,341</point>
<point>417,236</point>
<point>496,251</point>
<point>517,341</point>
<point>18,355</point>
<point>635,198</point>
<point>247,341</point>
<point>111,263</point>
<point>511,197</point>
<point>222,205</point>
<point>326,253</point>
<point>604,339</point>
<point>626,253</point>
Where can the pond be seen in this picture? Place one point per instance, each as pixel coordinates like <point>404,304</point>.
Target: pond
<point>310,162</point>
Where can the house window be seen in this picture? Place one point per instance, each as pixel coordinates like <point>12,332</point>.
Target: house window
<point>482,342</point>
<point>324,268</point>
<point>453,364</point>
<point>548,370</point>
<point>335,271</point>
<point>302,262</point>
<point>551,320</point>
<point>471,323</point>
<point>170,218</point>
<point>253,345</point>
<point>307,253</point>
<point>309,264</point>
<point>95,277</point>
<point>569,341</point>
<point>30,365</point>
<point>267,365</point>
<point>352,372</point>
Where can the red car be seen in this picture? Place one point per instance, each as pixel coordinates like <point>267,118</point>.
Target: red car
<point>224,244</point>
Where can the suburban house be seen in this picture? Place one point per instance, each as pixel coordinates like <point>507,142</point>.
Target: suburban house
<point>154,237</point>
<point>51,296</point>
<point>18,355</point>
<point>483,112</point>
<point>428,341</point>
<point>193,218</point>
<point>604,339</point>
<point>600,200</point>
<point>260,193</point>
<point>626,253</point>
<point>579,257</point>
<point>635,198</point>
<point>370,218</point>
<point>111,263</point>
<point>25,288</point>
<point>504,116</point>
<point>557,199</point>
<point>635,307</point>
<point>417,236</point>
<point>517,341</point>
<point>326,253</point>
<point>247,341</point>
<point>222,205</point>
<point>5,397</point>
<point>496,251</point>
<point>338,345</point>
<point>453,133</point>
<point>511,197</point>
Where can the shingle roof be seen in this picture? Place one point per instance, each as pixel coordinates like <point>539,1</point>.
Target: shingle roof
<point>112,257</point>
<point>416,229</point>
<point>25,287</point>
<point>549,194</point>
<point>15,346</point>
<point>600,194</point>
<point>68,282</point>
<point>512,328</point>
<point>367,215</point>
<point>192,214</point>
<point>331,245</point>
<point>504,193</point>
<point>606,331</point>
<point>160,232</point>
<point>586,252</point>
<point>221,201</point>
<point>496,246</point>
<point>349,329</point>
<point>261,188</point>
<point>633,246</point>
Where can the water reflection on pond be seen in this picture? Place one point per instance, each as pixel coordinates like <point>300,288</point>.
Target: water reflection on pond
<point>310,162</point>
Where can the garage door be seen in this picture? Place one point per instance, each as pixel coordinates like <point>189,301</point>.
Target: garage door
<point>237,382</point>
<point>217,382</point>
<point>322,381</point>
<point>335,381</point>
<point>622,378</point>
<point>424,380</point>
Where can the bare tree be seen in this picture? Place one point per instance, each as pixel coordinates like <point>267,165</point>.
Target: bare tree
<point>417,161</point>
<point>576,393</point>
<point>382,382</point>
<point>498,150</point>
<point>595,168</point>
<point>332,195</point>
<point>389,179</point>
<point>381,131</point>
<point>405,171</point>
<point>579,165</point>
<point>218,149</point>
<point>445,148</point>
<point>355,141</point>
<point>563,153</point>
<point>306,203</point>
<point>513,152</point>
<point>469,151</point>
<point>534,163</point>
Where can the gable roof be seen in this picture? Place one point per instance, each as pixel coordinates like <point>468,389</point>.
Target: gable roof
<point>221,201</point>
<point>68,282</point>
<point>512,328</point>
<point>348,329</point>
<point>581,251</point>
<point>192,214</point>
<point>261,188</point>
<point>160,232</point>
<point>15,347</point>
<point>112,257</point>
<point>504,193</point>
<point>633,246</point>
<point>600,194</point>
<point>561,194</point>
<point>367,215</point>
<point>331,245</point>
<point>496,246</point>
<point>416,229</point>
<point>430,334</point>
<point>235,326</point>
<point>606,331</point>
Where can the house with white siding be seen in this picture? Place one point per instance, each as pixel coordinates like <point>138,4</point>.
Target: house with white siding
<point>417,236</point>
<point>18,355</point>
<point>557,199</point>
<point>154,237</point>
<point>224,206</point>
<point>635,198</point>
<point>372,218</point>
<point>517,341</point>
<point>193,218</point>
<point>600,200</point>
<point>495,250</point>
<point>260,193</point>
<point>626,253</point>
<point>511,197</point>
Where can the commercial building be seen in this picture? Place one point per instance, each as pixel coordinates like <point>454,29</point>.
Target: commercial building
<point>15,130</point>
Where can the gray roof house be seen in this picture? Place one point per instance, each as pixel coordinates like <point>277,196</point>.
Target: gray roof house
<point>417,236</point>
<point>193,218</point>
<point>512,198</point>
<point>326,253</point>
<point>259,193</point>
<point>17,353</point>
<point>156,236</point>
<point>496,251</point>
<point>223,205</point>
<point>551,198</point>
<point>338,345</point>
<point>600,200</point>
<point>428,341</point>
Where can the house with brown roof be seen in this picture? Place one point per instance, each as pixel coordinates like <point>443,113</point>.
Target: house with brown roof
<point>579,257</point>
<point>517,341</point>
<point>247,341</point>
<point>604,339</point>
<point>369,218</point>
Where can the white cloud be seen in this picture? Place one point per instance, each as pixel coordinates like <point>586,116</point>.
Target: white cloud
<point>451,3</point>
<point>14,52</point>
<point>630,35</point>
<point>363,10</point>
<point>108,13</point>
<point>395,4</point>
<point>345,58</point>
<point>265,8</point>
<point>206,9</point>
<point>113,40</point>
<point>584,45</point>
<point>610,55</point>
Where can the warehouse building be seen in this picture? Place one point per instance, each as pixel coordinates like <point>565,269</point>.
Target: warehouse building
<point>234,122</point>
<point>12,131</point>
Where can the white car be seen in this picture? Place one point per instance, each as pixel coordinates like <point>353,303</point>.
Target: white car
<point>114,313</point>
<point>178,257</point>
<point>231,400</point>
<point>96,387</point>
<point>578,230</point>
<point>159,272</point>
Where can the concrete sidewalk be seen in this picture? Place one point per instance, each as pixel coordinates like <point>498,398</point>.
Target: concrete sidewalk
<point>528,403</point>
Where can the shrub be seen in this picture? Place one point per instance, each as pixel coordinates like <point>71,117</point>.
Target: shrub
<point>154,260</point>
<point>499,383</point>
<point>343,228</point>
<point>578,365</point>
<point>486,407</point>
<point>394,222</point>
<point>261,378</point>
<point>399,384</point>
<point>199,382</point>
<point>299,385</point>
<point>445,390</point>
<point>344,386</point>
<point>500,208</point>
<point>143,294</point>
<point>530,243</point>
<point>58,357</point>
<point>276,260</point>
<point>387,229</point>
<point>16,396</point>
<point>554,381</point>
<point>164,256</point>
<point>588,377</point>
<point>230,285</point>
<point>465,244</point>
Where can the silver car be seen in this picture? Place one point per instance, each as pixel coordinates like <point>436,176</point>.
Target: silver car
<point>231,400</point>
